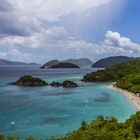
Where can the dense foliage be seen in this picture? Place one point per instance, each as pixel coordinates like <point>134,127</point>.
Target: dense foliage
<point>66,84</point>
<point>130,82</point>
<point>28,80</point>
<point>115,72</point>
<point>100,129</point>
<point>125,74</point>
<point>107,129</point>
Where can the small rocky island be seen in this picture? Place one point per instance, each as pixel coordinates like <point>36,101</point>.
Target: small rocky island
<point>34,81</point>
<point>29,81</point>
<point>65,84</point>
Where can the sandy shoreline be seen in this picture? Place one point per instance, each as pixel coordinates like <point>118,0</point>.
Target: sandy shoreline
<point>131,96</point>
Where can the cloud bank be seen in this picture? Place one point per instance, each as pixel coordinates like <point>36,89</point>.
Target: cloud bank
<point>56,43</point>
<point>32,31</point>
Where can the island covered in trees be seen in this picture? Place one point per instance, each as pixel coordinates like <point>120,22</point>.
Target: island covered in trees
<point>126,75</point>
<point>28,80</point>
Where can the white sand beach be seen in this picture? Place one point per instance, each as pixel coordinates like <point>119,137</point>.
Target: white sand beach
<point>131,96</point>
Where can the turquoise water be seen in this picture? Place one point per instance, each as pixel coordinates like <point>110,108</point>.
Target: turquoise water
<point>55,110</point>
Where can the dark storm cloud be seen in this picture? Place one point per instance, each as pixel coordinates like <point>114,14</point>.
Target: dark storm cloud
<point>5,6</point>
<point>9,25</point>
<point>12,23</point>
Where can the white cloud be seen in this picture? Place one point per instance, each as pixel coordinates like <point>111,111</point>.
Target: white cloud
<point>53,9</point>
<point>45,38</point>
<point>116,40</point>
<point>16,55</point>
<point>56,43</point>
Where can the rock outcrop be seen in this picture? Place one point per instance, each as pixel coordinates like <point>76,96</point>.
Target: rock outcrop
<point>29,81</point>
<point>65,84</point>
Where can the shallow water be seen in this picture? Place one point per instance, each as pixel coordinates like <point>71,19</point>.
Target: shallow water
<point>55,110</point>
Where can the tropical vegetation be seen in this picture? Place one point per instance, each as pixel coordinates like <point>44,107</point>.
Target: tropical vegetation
<point>130,82</point>
<point>28,80</point>
<point>126,75</point>
<point>99,129</point>
<point>65,84</point>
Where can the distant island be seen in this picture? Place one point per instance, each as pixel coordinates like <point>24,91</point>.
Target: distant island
<point>7,62</point>
<point>65,65</point>
<point>81,62</point>
<point>85,62</point>
<point>50,63</point>
<point>110,61</point>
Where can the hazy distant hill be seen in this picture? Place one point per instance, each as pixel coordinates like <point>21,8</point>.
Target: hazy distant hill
<point>51,63</point>
<point>82,62</point>
<point>110,61</point>
<point>6,62</point>
<point>65,65</point>
<point>79,62</point>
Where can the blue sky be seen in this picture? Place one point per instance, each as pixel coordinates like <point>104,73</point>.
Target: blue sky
<point>42,30</point>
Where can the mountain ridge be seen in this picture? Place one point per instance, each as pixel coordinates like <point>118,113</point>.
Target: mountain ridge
<point>7,62</point>
<point>81,62</point>
<point>110,61</point>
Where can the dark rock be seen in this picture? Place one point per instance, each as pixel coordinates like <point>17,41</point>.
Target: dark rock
<point>42,67</point>
<point>68,84</point>
<point>56,84</point>
<point>29,81</point>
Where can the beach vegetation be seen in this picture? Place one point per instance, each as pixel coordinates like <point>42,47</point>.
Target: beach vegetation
<point>130,82</point>
<point>102,128</point>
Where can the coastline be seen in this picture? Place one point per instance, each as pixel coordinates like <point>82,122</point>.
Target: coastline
<point>131,96</point>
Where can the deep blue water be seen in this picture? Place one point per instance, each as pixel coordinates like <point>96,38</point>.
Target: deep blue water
<point>55,110</point>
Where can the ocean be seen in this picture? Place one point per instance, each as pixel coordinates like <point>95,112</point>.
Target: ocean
<point>48,111</point>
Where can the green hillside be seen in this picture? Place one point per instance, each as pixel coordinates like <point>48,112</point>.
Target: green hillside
<point>115,72</point>
<point>121,73</point>
<point>110,61</point>
<point>130,82</point>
